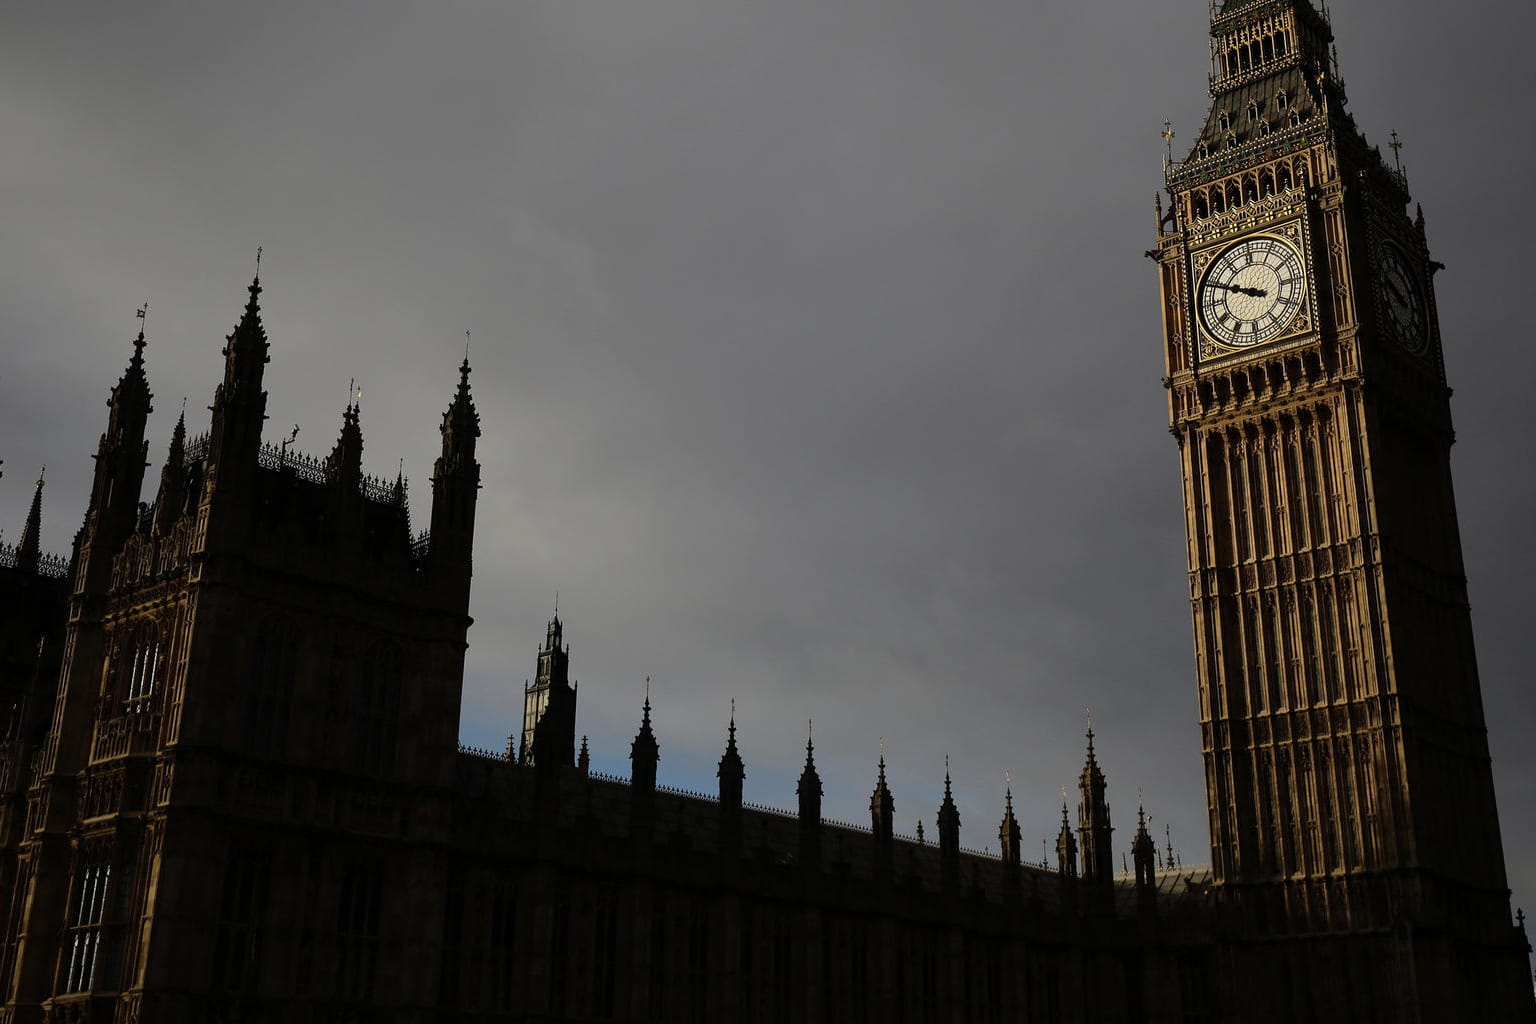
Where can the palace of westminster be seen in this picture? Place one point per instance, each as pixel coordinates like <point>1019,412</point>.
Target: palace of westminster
<point>231,788</point>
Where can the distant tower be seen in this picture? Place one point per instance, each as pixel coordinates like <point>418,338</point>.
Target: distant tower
<point>1346,756</point>
<point>549,702</point>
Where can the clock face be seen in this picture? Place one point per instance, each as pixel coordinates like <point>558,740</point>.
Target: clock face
<point>1252,291</point>
<point>1402,301</point>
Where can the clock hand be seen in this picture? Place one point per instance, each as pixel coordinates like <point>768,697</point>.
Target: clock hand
<point>1257,293</point>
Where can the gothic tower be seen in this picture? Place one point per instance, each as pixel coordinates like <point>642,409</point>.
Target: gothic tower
<point>549,703</point>
<point>1346,758</point>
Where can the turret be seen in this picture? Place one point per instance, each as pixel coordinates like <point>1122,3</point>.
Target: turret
<point>809,791</point>
<point>456,481</point>
<point>112,512</point>
<point>644,753</point>
<point>344,466</point>
<point>731,774</point>
<point>1066,846</point>
<point>1010,838</point>
<point>1144,855</point>
<point>1093,828</point>
<point>882,813</point>
<point>949,837</point>
<point>239,403</point>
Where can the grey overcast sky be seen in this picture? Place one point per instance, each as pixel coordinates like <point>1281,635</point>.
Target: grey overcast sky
<point>816,354</point>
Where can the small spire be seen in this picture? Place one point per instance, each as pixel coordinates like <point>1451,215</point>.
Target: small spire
<point>645,717</point>
<point>732,728</point>
<point>30,549</point>
<point>810,742</point>
<point>584,759</point>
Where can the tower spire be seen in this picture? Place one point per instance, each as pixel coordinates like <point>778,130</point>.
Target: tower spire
<point>29,550</point>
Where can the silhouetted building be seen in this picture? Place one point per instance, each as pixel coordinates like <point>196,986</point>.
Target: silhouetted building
<point>231,790</point>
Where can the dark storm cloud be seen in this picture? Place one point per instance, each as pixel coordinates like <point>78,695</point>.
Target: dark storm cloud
<point>816,355</point>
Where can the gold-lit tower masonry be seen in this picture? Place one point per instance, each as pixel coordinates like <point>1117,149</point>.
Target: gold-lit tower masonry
<point>1354,836</point>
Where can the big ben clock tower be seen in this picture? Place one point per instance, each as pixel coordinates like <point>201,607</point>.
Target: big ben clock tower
<point>1354,835</point>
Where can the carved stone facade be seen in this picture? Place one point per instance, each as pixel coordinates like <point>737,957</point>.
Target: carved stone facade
<point>1356,854</point>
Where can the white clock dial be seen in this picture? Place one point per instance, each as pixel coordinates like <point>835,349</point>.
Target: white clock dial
<point>1402,301</point>
<point>1252,292</point>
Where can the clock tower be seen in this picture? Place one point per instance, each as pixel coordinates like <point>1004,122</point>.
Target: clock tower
<point>1355,842</point>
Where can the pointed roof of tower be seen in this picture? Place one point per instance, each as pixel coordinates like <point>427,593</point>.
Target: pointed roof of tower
<point>461,415</point>
<point>731,761</point>
<point>249,335</point>
<point>29,550</point>
<point>808,776</point>
<point>881,804</point>
<point>947,810</point>
<point>178,449</point>
<point>130,395</point>
<point>346,461</point>
<point>645,740</point>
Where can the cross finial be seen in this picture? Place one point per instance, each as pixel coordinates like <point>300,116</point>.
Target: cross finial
<point>258,261</point>
<point>1168,134</point>
<point>1397,151</point>
<point>466,346</point>
<point>143,314</point>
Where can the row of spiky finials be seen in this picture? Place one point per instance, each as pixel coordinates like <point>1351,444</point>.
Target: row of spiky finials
<point>1088,851</point>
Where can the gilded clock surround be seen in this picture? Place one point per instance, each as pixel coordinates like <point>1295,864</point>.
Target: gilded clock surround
<point>1292,234</point>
